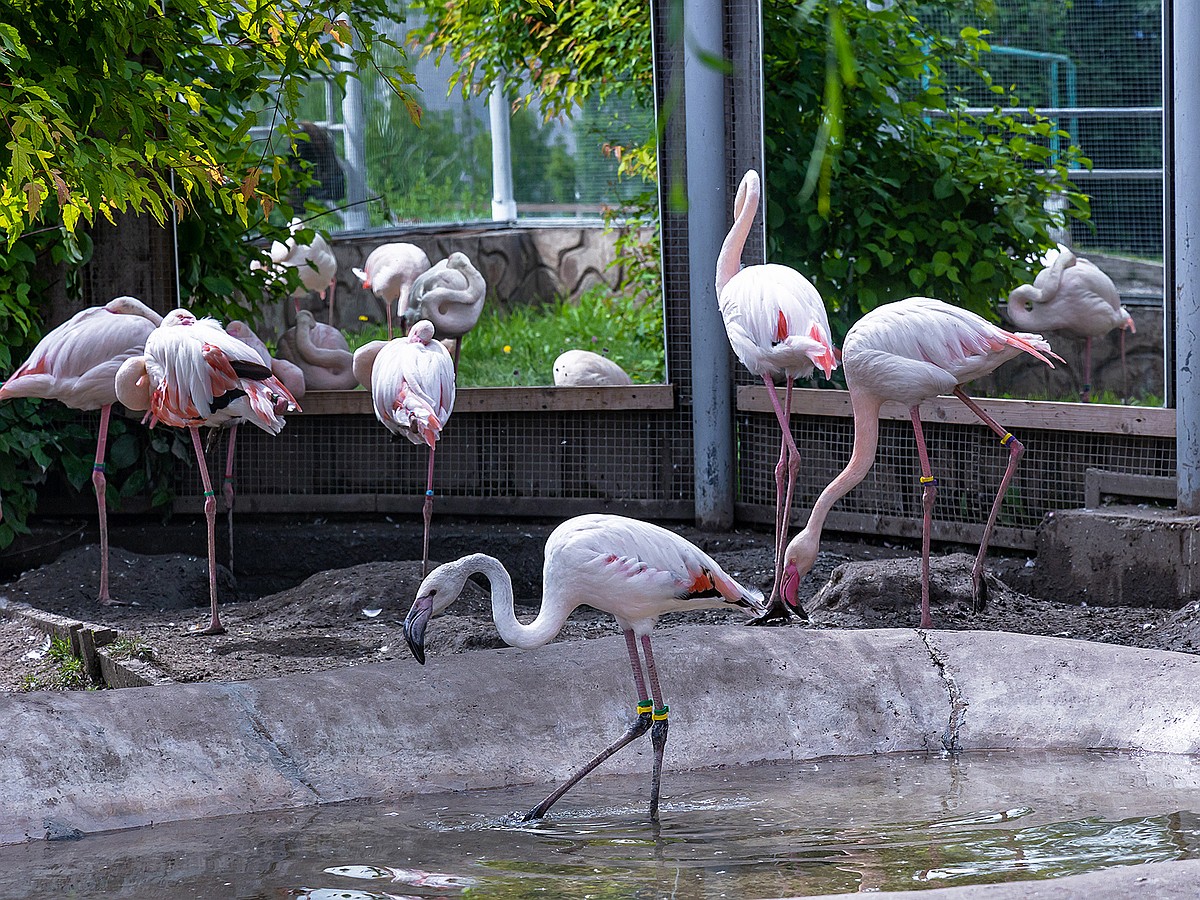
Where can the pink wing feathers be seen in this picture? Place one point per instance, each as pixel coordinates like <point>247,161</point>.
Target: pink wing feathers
<point>412,385</point>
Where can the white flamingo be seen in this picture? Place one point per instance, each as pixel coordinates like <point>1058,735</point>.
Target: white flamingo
<point>321,352</point>
<point>1072,295</point>
<point>633,571</point>
<point>389,273</point>
<point>583,368</point>
<point>778,328</point>
<point>411,380</point>
<point>450,295</point>
<point>76,364</point>
<point>911,351</point>
<point>193,374</point>
<point>314,262</point>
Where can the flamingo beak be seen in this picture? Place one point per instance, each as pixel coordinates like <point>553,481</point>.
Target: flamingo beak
<point>791,586</point>
<point>414,626</point>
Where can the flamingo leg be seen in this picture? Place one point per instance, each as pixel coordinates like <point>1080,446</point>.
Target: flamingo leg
<point>1015,450</point>
<point>210,515</point>
<point>928,494</point>
<point>457,350</point>
<point>785,482</point>
<point>1124,366</point>
<point>1086,394</point>
<point>658,733</point>
<point>229,489</point>
<point>427,515</point>
<point>332,289</point>
<point>632,733</point>
<point>99,483</point>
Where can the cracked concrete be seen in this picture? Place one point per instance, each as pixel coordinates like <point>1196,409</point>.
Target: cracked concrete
<point>114,759</point>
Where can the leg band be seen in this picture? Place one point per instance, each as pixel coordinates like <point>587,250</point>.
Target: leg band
<point>660,714</point>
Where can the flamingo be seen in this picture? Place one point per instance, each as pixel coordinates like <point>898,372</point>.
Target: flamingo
<point>632,570</point>
<point>450,295</point>
<point>389,272</point>
<point>778,327</point>
<point>583,368</point>
<point>910,351</point>
<point>1073,295</point>
<point>315,263</point>
<point>191,374</point>
<point>75,364</point>
<point>321,352</point>
<point>411,381</point>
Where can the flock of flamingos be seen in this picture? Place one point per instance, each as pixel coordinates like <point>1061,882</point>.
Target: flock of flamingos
<point>189,372</point>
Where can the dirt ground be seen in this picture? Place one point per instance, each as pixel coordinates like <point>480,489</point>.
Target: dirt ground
<point>315,595</point>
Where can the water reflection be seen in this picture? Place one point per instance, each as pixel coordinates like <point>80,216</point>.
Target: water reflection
<point>882,823</point>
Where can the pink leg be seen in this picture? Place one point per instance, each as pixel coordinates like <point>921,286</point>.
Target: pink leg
<point>427,515</point>
<point>785,483</point>
<point>1086,394</point>
<point>388,307</point>
<point>210,514</point>
<point>1015,450</point>
<point>635,730</point>
<point>928,494</point>
<point>100,484</point>
<point>229,489</point>
<point>658,734</point>
<point>332,289</point>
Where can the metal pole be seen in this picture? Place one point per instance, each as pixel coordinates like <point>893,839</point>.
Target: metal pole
<point>1185,186</point>
<point>355,215</point>
<point>504,207</point>
<point>704,125</point>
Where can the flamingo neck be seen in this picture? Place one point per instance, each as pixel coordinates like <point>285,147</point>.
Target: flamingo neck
<point>548,622</point>
<point>1020,303</point>
<point>315,355</point>
<point>729,261</point>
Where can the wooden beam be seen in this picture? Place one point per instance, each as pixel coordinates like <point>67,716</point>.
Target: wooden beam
<point>1096,418</point>
<point>510,399</point>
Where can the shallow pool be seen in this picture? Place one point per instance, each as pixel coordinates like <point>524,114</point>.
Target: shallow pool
<point>882,823</point>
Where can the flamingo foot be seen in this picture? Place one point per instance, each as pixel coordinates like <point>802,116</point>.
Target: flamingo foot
<point>777,614</point>
<point>979,592</point>
<point>658,738</point>
<point>109,601</point>
<point>212,628</point>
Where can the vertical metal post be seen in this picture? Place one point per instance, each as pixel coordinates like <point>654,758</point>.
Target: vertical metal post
<point>704,124</point>
<point>354,152</point>
<point>504,207</point>
<point>1185,283</point>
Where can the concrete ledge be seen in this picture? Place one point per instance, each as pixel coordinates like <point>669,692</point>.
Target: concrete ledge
<point>1120,556</point>
<point>96,761</point>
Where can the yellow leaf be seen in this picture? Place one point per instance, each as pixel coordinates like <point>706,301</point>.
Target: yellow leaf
<point>33,198</point>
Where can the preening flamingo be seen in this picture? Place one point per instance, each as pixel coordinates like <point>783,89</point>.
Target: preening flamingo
<point>1072,295</point>
<point>583,368</point>
<point>778,327</point>
<point>75,364</point>
<point>450,295</point>
<point>632,570</point>
<point>911,351</point>
<point>315,262</point>
<point>411,380</point>
<point>193,374</point>
<point>321,352</point>
<point>389,273</point>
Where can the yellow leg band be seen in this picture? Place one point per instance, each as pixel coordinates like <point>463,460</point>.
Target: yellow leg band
<point>660,714</point>
<point>1007,437</point>
<point>928,479</point>
<point>645,706</point>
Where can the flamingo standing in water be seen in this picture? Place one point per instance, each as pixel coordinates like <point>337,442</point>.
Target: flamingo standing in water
<point>389,273</point>
<point>411,381</point>
<point>193,374</point>
<point>76,364</point>
<point>778,327</point>
<point>632,570</point>
<point>911,351</point>
<point>1073,295</point>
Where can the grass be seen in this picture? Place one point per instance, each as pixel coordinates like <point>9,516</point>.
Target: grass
<point>65,672</point>
<point>518,348</point>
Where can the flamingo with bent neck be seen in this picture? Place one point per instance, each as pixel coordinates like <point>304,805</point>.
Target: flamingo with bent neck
<point>633,570</point>
<point>321,352</point>
<point>449,294</point>
<point>389,273</point>
<point>911,351</point>
<point>1072,295</point>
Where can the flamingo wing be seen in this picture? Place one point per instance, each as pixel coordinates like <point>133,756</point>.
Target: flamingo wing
<point>412,385</point>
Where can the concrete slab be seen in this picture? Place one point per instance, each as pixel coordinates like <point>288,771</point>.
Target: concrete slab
<point>1120,556</point>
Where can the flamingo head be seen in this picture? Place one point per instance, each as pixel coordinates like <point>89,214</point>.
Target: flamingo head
<point>1127,321</point>
<point>364,276</point>
<point>179,317</point>
<point>750,187</point>
<point>438,590</point>
<point>798,560</point>
<point>422,332</point>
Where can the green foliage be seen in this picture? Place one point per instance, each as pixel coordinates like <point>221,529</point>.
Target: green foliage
<point>65,672</point>
<point>907,193</point>
<point>518,347</point>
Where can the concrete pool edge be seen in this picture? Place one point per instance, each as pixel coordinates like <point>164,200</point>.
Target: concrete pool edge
<point>96,761</point>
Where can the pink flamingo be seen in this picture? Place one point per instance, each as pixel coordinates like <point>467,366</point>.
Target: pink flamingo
<point>320,352</point>
<point>1073,295</point>
<point>632,570</point>
<point>193,374</point>
<point>449,294</point>
<point>76,364</point>
<point>778,327</point>
<point>411,381</point>
<point>911,351</point>
<point>389,273</point>
<point>315,263</point>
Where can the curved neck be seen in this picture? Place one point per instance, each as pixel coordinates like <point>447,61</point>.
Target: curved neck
<point>862,457</point>
<point>729,261</point>
<point>325,357</point>
<point>1020,302</point>
<point>548,622</point>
